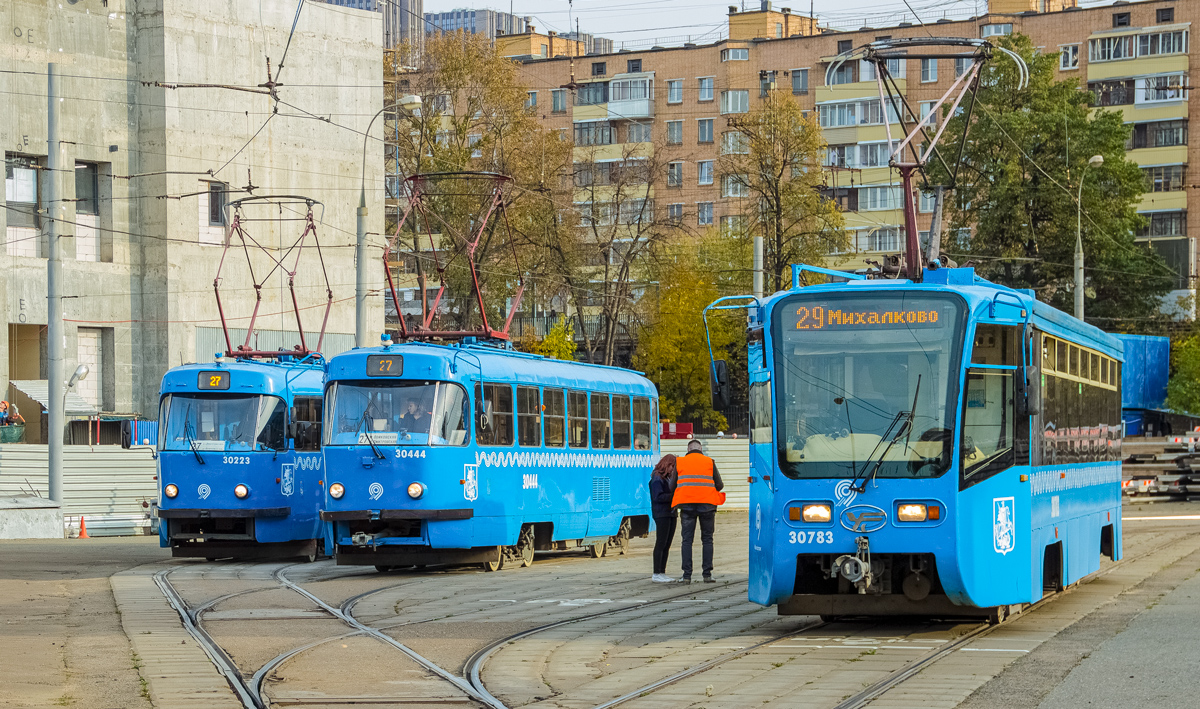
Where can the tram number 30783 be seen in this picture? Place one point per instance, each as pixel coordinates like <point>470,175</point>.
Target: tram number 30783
<point>810,537</point>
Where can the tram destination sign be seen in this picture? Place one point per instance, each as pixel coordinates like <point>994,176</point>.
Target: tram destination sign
<point>825,317</point>
<point>212,380</point>
<point>385,365</point>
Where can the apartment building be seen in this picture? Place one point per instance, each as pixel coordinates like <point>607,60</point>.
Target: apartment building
<point>491,23</point>
<point>403,20</point>
<point>678,101</point>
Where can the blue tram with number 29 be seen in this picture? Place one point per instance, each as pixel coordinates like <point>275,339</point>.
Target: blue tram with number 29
<point>475,453</point>
<point>239,458</point>
<point>943,448</point>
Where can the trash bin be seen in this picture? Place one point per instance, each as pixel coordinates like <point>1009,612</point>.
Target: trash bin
<point>12,434</point>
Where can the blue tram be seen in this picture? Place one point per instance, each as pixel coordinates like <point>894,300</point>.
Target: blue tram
<point>946,448</point>
<point>239,458</point>
<point>475,453</point>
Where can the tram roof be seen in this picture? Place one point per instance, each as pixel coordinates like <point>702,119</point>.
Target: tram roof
<point>980,294</point>
<point>437,362</point>
<point>248,376</point>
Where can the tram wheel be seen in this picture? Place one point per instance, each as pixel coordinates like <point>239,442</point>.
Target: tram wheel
<point>310,558</point>
<point>599,550</point>
<point>524,550</point>
<point>621,540</point>
<point>382,569</point>
<point>497,564</point>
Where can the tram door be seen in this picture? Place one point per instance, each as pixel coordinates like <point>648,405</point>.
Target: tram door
<point>994,505</point>
<point>762,495</point>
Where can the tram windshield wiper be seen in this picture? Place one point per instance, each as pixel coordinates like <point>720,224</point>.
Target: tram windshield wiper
<point>188,437</point>
<point>903,419</point>
<point>362,420</point>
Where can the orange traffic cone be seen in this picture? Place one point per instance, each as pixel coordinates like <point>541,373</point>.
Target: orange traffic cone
<point>83,529</point>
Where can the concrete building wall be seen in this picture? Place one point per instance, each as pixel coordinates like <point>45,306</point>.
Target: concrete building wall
<point>788,56</point>
<point>154,148</point>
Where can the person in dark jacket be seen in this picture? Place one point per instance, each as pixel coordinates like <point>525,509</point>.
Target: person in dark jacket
<point>662,489</point>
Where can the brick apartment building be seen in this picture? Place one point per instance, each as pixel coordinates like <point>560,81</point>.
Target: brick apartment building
<point>1134,56</point>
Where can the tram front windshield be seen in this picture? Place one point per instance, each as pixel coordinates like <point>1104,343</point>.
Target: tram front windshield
<point>867,384</point>
<point>396,413</point>
<point>223,422</point>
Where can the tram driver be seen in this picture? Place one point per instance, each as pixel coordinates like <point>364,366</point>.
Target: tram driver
<point>414,419</point>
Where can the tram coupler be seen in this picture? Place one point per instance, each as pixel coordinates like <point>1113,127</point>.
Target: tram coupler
<point>856,568</point>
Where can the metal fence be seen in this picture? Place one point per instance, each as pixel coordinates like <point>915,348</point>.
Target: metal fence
<point>109,486</point>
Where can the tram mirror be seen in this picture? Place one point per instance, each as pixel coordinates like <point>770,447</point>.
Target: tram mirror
<point>1032,384</point>
<point>719,384</point>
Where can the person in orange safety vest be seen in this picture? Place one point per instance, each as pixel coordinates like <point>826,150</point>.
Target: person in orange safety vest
<point>697,495</point>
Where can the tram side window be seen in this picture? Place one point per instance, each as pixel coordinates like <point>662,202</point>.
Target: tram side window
<point>555,417</point>
<point>529,417</point>
<point>760,412</point>
<point>494,409</point>
<point>600,420</point>
<point>620,415</point>
<point>306,422</point>
<point>642,437</point>
<point>577,420</point>
<point>1081,410</point>
<point>988,423</point>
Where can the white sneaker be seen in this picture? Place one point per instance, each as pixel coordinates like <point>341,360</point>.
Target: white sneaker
<point>661,578</point>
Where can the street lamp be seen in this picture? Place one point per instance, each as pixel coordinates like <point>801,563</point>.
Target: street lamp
<point>1094,161</point>
<point>79,375</point>
<point>408,103</point>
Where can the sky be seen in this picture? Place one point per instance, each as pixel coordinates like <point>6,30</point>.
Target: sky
<point>643,23</point>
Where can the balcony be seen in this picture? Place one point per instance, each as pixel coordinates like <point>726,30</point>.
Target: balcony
<point>631,96</point>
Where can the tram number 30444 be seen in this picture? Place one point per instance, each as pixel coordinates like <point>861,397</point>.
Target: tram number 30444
<point>810,537</point>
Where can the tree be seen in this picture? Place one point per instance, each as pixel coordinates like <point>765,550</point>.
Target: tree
<point>473,117</point>
<point>559,342</point>
<point>1183,389</point>
<point>672,348</point>
<point>773,157</point>
<point>1020,172</point>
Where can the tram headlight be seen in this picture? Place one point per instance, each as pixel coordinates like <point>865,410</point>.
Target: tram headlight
<point>816,513</point>
<point>912,513</point>
<point>336,491</point>
<point>415,490</point>
<point>241,492</point>
<point>171,491</point>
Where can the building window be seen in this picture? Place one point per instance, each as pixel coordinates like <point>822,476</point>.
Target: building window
<point>996,30</point>
<point>87,212</point>
<point>844,74</point>
<point>1163,88</point>
<point>882,239</point>
<point>962,65</point>
<point>1069,57</point>
<point>212,214</point>
<point>735,186</point>
<point>675,213</point>
<point>925,203</point>
<point>704,128</point>
<point>1112,93</point>
<point>928,70</point>
<point>926,107</point>
<point>778,30</point>
<point>545,50</point>
<point>706,89</point>
<point>800,81</point>
<point>851,113</point>
<point>1164,178</point>
<point>735,55</point>
<point>767,82</point>
<point>873,155</point>
<point>592,94</point>
<point>599,68</point>
<point>1160,134</point>
<point>737,101</point>
<point>704,213</point>
<point>629,90</point>
<point>530,100</point>
<point>639,133</point>
<point>675,91</point>
<point>594,133</point>
<point>633,66</point>
<point>846,198</point>
<point>705,172</point>
<point>734,143</point>
<point>874,199</point>
<point>216,203</point>
<point>674,132</point>
<point>1164,15</point>
<point>675,174</point>
<point>1121,19</point>
<point>558,99</point>
<point>844,45</point>
<point>1109,49</point>
<point>1162,43</point>
<point>840,155</point>
<point>1164,224</point>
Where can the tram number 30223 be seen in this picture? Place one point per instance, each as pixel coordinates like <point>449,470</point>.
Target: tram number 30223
<point>810,537</point>
<point>235,459</point>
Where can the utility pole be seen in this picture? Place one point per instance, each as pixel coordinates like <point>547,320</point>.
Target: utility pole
<point>1094,161</point>
<point>758,266</point>
<point>361,338</point>
<point>934,250</point>
<point>55,338</point>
